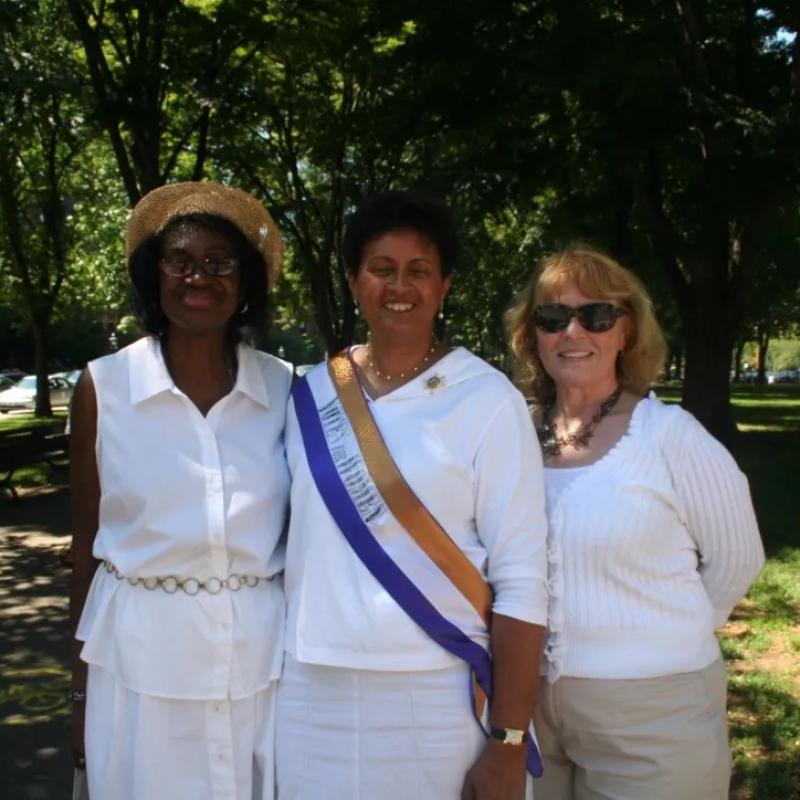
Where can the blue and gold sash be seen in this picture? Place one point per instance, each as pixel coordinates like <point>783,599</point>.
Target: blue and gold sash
<point>462,628</point>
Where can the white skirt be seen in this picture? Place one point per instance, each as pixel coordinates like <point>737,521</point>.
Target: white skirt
<point>139,746</point>
<point>347,734</point>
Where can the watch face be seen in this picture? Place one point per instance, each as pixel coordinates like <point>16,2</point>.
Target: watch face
<point>514,737</point>
<point>509,735</point>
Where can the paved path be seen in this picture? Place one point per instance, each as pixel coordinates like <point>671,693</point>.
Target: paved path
<point>34,711</point>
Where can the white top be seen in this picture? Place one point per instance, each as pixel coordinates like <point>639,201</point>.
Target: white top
<point>469,452</point>
<point>189,496</point>
<point>559,479</point>
<point>651,547</point>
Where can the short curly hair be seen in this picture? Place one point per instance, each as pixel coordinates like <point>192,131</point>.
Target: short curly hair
<point>396,210</point>
<point>253,295</point>
<point>599,276</point>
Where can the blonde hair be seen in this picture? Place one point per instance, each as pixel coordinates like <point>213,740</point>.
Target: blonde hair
<point>597,276</point>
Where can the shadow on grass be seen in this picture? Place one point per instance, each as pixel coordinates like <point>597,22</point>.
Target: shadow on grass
<point>770,461</point>
<point>34,647</point>
<point>764,728</point>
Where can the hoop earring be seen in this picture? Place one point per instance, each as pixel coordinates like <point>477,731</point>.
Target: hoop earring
<point>244,307</point>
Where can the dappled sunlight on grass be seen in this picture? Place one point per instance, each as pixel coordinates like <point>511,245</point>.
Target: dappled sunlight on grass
<point>761,642</point>
<point>764,719</point>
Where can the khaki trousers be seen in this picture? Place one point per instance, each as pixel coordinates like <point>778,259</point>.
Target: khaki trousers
<point>650,739</point>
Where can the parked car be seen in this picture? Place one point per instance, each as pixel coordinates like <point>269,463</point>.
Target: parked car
<point>12,374</point>
<point>22,395</point>
<point>70,376</point>
<point>783,376</point>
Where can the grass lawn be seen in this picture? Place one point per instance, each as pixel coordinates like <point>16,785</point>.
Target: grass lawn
<point>761,642</point>
<point>9,422</point>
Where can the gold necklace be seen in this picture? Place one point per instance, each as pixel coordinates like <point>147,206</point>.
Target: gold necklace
<point>402,375</point>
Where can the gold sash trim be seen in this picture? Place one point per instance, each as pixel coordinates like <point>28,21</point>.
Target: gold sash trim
<point>398,495</point>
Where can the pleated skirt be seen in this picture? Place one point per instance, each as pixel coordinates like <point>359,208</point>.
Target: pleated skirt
<point>347,734</point>
<point>139,746</point>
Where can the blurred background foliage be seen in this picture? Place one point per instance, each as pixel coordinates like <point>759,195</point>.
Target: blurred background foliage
<point>668,134</point>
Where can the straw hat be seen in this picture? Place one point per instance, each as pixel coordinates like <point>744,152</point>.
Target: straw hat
<point>152,213</point>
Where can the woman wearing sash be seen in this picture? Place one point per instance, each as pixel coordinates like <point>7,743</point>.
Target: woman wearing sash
<point>180,495</point>
<point>417,518</point>
<point>653,542</point>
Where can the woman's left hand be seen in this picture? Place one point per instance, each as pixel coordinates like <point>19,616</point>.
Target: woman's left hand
<point>499,774</point>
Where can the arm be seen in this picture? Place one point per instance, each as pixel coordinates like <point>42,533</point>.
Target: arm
<point>516,649</point>
<point>510,516</point>
<point>717,510</point>
<point>85,496</point>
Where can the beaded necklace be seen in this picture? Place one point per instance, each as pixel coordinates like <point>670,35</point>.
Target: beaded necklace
<point>552,443</point>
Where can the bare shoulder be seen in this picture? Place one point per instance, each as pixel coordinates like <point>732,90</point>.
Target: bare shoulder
<point>83,409</point>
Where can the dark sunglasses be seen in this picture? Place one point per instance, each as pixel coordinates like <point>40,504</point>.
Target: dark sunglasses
<point>593,317</point>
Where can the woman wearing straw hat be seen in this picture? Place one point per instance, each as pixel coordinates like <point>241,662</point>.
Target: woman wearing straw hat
<point>180,493</point>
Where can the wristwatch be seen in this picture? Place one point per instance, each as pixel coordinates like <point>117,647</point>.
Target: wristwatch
<point>512,736</point>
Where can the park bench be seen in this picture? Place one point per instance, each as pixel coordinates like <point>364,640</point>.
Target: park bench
<point>24,447</point>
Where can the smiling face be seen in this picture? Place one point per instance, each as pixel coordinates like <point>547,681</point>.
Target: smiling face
<point>577,359</point>
<point>399,285</point>
<point>197,302</point>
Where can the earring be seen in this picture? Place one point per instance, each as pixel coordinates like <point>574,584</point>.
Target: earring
<point>244,307</point>
<point>356,309</point>
<point>440,315</point>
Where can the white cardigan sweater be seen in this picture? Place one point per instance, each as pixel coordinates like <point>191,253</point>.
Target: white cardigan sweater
<point>649,550</point>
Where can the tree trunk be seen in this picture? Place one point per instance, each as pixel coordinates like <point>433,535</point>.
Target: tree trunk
<point>737,360</point>
<point>763,347</point>
<point>676,363</point>
<point>41,357</point>
<point>706,388</point>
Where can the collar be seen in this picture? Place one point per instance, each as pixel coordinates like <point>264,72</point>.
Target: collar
<point>250,378</point>
<point>148,374</point>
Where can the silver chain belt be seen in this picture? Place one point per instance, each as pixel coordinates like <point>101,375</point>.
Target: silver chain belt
<point>191,586</point>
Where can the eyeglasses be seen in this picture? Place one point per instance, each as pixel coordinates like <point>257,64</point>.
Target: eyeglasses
<point>593,317</point>
<point>213,267</point>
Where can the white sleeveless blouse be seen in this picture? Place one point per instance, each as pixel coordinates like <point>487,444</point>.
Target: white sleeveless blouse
<point>188,496</point>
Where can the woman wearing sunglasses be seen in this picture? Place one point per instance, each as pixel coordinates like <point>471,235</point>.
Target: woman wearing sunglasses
<point>652,542</point>
<point>180,493</point>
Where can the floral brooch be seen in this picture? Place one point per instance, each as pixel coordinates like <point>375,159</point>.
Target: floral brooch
<point>434,383</point>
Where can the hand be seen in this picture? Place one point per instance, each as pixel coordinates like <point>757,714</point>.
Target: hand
<point>498,774</point>
<point>77,734</point>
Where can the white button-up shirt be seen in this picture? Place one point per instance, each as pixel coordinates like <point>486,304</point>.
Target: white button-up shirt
<point>189,496</point>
